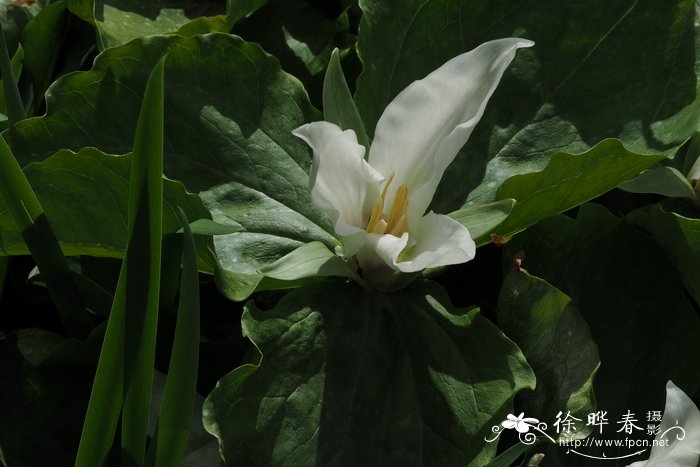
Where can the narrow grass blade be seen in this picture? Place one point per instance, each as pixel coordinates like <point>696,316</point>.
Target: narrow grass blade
<point>170,440</point>
<point>125,370</point>
<point>143,283</point>
<point>13,100</point>
<point>29,217</point>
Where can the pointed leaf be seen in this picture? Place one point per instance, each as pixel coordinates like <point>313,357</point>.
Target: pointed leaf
<point>125,369</point>
<point>175,418</point>
<point>569,180</point>
<point>665,181</point>
<point>338,106</point>
<point>482,219</point>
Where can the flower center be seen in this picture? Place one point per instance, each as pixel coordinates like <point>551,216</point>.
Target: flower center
<point>395,223</point>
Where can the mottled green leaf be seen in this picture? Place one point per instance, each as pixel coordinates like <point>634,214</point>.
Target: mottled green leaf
<point>567,181</point>
<point>598,70</point>
<point>663,180</point>
<point>63,183</point>
<point>307,261</point>
<point>229,138</point>
<point>557,344</point>
<point>628,291</point>
<point>119,21</point>
<point>482,219</point>
<point>352,378</point>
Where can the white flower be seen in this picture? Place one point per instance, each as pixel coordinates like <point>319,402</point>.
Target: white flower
<point>680,427</point>
<point>520,423</point>
<point>379,205</point>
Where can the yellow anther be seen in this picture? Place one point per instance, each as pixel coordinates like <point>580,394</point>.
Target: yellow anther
<point>395,224</point>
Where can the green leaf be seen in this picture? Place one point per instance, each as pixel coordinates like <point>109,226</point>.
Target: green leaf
<point>351,378</point>
<point>209,227</point>
<point>42,40</point>
<point>239,9</point>
<point>16,66</point>
<point>665,181</point>
<point>567,181</point>
<point>27,214</point>
<point>143,251</point>
<point>66,179</point>
<point>175,418</point>
<point>579,84</point>
<point>125,369</point>
<point>557,344</point>
<point>630,295</point>
<point>482,219</point>
<point>338,106</point>
<point>14,18</point>
<point>119,21</point>
<point>300,37</point>
<point>307,261</point>
<point>229,139</point>
<point>12,99</point>
<point>679,236</point>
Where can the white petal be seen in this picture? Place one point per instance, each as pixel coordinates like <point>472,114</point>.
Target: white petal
<point>380,251</point>
<point>440,241</point>
<point>508,424</point>
<point>423,128</point>
<point>680,411</point>
<point>343,184</point>
<point>522,427</point>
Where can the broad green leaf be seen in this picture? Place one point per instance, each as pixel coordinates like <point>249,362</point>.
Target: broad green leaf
<point>567,181</point>
<point>595,72</point>
<point>665,181</point>
<point>352,378</point>
<point>310,260</point>
<point>679,236</point>
<point>338,106</point>
<point>629,293</point>
<point>229,139</point>
<point>557,343</point>
<point>119,21</point>
<point>482,219</point>
<point>175,419</point>
<point>125,369</point>
<point>65,180</point>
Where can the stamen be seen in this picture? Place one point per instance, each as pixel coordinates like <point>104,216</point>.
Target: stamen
<point>378,208</point>
<point>395,223</point>
<point>398,210</point>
